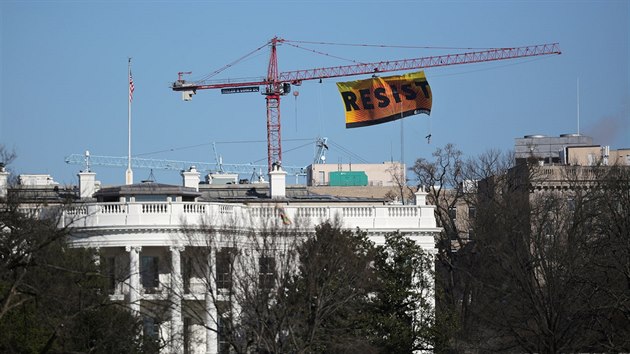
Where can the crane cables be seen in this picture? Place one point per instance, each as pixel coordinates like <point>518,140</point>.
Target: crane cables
<point>390,46</point>
<point>296,45</point>
<point>227,66</point>
<point>315,51</point>
<point>322,53</point>
<point>347,151</point>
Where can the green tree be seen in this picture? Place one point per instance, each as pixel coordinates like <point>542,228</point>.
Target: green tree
<point>329,291</point>
<point>330,294</point>
<point>403,310</point>
<point>50,293</point>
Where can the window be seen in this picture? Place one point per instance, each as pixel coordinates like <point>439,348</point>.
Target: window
<point>571,204</point>
<point>266,272</point>
<point>472,212</point>
<point>186,273</point>
<point>223,327</point>
<point>225,258</point>
<point>110,273</point>
<point>187,334</point>
<point>452,212</point>
<point>151,198</point>
<point>150,334</point>
<point>149,275</point>
<point>471,234</point>
<point>150,327</point>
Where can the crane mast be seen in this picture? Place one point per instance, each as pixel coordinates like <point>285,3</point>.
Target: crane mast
<point>273,93</point>
<point>278,84</point>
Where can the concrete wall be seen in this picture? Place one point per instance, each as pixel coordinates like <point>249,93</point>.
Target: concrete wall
<point>378,174</point>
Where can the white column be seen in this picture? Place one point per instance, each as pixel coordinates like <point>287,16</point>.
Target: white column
<point>96,257</point>
<point>134,278</point>
<point>177,291</point>
<point>211,310</point>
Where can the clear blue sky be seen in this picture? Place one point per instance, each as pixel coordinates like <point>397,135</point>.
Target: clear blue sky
<point>64,78</point>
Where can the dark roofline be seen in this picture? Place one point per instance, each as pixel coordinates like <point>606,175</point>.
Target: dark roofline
<point>148,188</point>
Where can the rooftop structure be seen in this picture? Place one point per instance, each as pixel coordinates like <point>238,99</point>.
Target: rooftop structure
<point>381,175</point>
<point>547,149</point>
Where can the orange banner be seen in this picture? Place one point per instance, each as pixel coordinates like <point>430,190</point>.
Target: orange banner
<point>385,99</point>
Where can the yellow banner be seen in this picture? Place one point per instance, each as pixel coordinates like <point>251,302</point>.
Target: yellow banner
<point>385,99</point>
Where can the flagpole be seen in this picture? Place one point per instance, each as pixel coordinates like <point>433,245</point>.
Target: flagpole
<point>129,174</point>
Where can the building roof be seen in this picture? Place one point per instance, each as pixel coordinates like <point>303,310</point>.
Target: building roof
<point>259,193</point>
<point>147,188</point>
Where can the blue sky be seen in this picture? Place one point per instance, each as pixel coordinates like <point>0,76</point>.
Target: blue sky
<point>64,78</point>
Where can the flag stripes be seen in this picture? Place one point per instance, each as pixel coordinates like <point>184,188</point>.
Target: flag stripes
<point>131,87</point>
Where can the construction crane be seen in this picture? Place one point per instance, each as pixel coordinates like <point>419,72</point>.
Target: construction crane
<point>137,162</point>
<point>277,84</point>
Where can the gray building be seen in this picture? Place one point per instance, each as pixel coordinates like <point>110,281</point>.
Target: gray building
<point>549,150</point>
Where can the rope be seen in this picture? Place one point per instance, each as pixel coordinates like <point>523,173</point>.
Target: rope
<point>324,54</point>
<point>388,46</point>
<point>214,73</point>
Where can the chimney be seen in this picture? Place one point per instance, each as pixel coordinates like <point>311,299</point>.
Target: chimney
<point>4,181</point>
<point>421,196</point>
<point>191,178</point>
<point>277,182</point>
<point>87,184</point>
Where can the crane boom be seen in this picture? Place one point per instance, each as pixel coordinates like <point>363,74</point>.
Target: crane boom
<point>298,76</point>
<point>419,63</point>
<point>137,162</point>
<point>278,83</point>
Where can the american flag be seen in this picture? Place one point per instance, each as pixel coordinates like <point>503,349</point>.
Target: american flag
<point>131,88</point>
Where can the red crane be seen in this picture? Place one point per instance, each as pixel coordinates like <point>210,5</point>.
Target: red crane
<point>278,84</point>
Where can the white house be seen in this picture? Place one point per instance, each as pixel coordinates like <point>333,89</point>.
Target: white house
<point>140,233</point>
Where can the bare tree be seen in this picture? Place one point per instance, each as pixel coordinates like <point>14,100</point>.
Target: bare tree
<point>278,288</point>
<point>6,156</point>
<point>540,261</point>
<point>403,190</point>
<point>50,293</point>
<point>442,177</point>
<point>240,272</point>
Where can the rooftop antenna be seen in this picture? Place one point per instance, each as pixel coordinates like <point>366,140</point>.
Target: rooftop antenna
<point>578,106</point>
<point>218,159</point>
<point>150,179</point>
<point>402,135</point>
<point>391,151</point>
<point>428,136</point>
<point>87,161</point>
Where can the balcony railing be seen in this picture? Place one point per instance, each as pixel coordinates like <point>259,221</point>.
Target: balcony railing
<point>175,214</point>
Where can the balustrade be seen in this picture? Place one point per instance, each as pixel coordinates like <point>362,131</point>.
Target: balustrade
<point>107,208</point>
<point>173,214</point>
<point>160,208</point>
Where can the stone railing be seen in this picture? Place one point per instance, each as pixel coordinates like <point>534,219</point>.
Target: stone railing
<point>176,214</point>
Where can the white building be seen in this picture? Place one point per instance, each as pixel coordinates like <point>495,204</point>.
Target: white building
<point>139,231</point>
